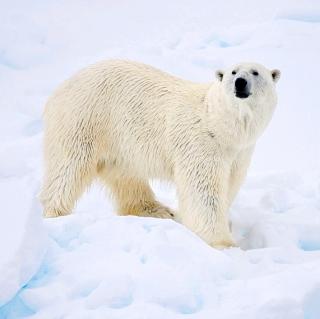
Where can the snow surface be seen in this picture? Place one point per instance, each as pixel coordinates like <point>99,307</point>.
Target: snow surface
<point>94,264</point>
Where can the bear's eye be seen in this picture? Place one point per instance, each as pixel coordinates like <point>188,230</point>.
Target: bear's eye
<point>234,72</point>
<point>255,73</point>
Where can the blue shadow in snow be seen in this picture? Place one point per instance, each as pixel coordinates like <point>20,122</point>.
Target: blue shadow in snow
<point>309,18</point>
<point>15,309</point>
<point>309,245</point>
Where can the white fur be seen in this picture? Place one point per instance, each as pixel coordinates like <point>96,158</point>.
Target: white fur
<point>126,122</point>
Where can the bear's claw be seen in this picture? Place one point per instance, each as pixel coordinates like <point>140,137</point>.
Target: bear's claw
<point>161,212</point>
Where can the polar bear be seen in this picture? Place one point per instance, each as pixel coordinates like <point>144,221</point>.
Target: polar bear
<point>125,123</point>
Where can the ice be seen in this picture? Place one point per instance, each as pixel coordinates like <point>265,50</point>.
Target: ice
<point>94,264</point>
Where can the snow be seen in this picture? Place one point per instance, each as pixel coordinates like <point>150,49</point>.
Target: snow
<point>21,251</point>
<point>94,264</point>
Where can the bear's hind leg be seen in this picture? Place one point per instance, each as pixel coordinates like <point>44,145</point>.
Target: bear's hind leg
<point>65,181</point>
<point>134,196</point>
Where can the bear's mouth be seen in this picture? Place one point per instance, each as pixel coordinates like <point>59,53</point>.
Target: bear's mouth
<point>242,94</point>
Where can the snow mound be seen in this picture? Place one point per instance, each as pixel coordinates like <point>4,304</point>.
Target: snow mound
<point>99,265</point>
<point>23,236</point>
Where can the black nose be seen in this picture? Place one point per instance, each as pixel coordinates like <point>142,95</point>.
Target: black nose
<point>240,84</point>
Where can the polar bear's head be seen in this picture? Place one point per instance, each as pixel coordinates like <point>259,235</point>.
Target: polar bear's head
<point>247,81</point>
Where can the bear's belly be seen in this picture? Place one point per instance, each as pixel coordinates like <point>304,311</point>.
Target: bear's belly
<point>140,160</point>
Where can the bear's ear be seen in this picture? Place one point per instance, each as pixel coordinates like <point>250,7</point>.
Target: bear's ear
<point>275,75</point>
<point>219,75</point>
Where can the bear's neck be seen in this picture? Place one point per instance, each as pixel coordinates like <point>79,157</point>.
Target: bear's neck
<point>236,123</point>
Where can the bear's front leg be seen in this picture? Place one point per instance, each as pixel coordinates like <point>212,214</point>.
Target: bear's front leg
<point>202,191</point>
